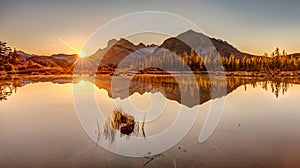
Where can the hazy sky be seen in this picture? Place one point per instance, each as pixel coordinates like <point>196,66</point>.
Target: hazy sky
<point>256,26</point>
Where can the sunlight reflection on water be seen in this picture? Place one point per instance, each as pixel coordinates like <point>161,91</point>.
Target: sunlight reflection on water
<point>38,125</point>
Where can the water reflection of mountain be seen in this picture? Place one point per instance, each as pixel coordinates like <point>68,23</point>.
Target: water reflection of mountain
<point>168,85</point>
<point>165,84</point>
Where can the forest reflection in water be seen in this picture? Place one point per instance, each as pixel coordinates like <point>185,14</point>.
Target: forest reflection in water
<point>166,84</point>
<point>252,126</point>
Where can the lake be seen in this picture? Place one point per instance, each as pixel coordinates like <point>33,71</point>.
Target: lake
<point>149,120</point>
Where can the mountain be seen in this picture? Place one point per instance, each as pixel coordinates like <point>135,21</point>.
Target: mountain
<point>61,61</point>
<point>296,55</point>
<point>24,55</point>
<point>117,50</point>
<point>49,61</point>
<point>201,43</point>
<point>68,57</point>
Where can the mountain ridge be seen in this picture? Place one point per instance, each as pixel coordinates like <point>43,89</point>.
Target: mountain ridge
<point>117,50</point>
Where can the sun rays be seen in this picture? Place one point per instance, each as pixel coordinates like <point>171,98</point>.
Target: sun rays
<point>84,64</point>
<point>81,54</point>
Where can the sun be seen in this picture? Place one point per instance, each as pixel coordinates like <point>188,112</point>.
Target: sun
<point>81,54</point>
<point>82,83</point>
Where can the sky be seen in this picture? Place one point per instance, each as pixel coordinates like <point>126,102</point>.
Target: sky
<point>46,27</point>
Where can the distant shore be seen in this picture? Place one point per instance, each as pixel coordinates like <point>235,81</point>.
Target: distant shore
<point>54,72</point>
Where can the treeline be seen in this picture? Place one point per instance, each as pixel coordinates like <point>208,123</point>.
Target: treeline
<point>257,63</point>
<point>217,62</point>
<point>12,62</point>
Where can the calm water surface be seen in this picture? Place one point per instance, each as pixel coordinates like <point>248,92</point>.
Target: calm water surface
<point>39,126</point>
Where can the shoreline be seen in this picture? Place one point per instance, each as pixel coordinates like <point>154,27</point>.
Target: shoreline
<point>267,74</point>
